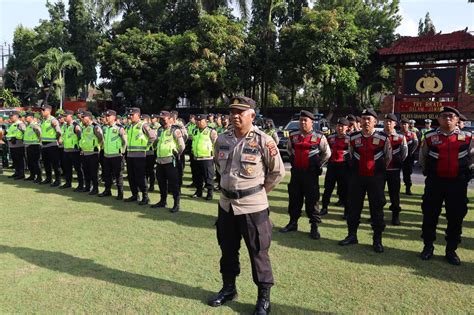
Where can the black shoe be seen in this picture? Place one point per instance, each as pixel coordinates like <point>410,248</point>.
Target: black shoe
<point>427,252</point>
<point>263,306</point>
<point>13,176</point>
<point>161,204</point>
<point>56,183</point>
<point>209,195</point>
<point>19,177</point>
<point>175,207</point>
<point>145,200</point>
<point>349,240</point>
<point>452,258</point>
<point>37,180</point>
<point>105,193</point>
<point>151,188</point>
<point>339,203</point>
<point>395,219</point>
<point>408,191</point>
<point>377,246</point>
<point>314,234</point>
<point>131,198</point>
<point>67,185</point>
<point>87,189</point>
<point>292,226</point>
<point>197,195</point>
<point>29,178</point>
<point>79,189</point>
<point>227,293</point>
<point>324,211</point>
<point>119,193</point>
<point>94,191</point>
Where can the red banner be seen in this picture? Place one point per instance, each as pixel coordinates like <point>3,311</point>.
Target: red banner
<point>423,106</point>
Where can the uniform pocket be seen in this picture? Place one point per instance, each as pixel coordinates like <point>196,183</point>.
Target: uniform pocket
<point>248,165</point>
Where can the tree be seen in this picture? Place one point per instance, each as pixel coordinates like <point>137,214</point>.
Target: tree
<point>52,66</point>
<point>427,27</point>
<point>83,43</point>
<point>53,32</point>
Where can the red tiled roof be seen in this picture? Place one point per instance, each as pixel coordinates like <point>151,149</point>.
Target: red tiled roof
<point>459,40</point>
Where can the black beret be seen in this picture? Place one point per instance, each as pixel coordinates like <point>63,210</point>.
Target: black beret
<point>46,107</point>
<point>68,112</point>
<point>145,116</point>
<point>110,112</point>
<point>369,112</point>
<point>242,102</point>
<point>462,117</point>
<point>134,110</point>
<point>351,117</point>
<point>87,114</point>
<point>154,116</point>
<point>404,120</point>
<point>343,121</point>
<point>164,113</point>
<point>305,113</point>
<point>201,116</point>
<point>449,109</point>
<point>392,117</point>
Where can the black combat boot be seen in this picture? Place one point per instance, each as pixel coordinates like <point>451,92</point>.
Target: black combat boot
<point>324,210</point>
<point>57,182</point>
<point>263,302</point>
<point>94,191</point>
<point>161,203</point>
<point>131,198</point>
<point>451,255</point>
<point>145,200</point>
<point>119,193</point>
<point>350,239</point>
<point>377,242</point>
<point>314,234</point>
<point>396,218</point>
<point>105,193</point>
<point>175,205</point>
<point>65,186</point>
<point>408,190</point>
<point>292,226</point>
<point>427,251</point>
<point>46,181</point>
<point>209,195</point>
<point>227,293</point>
<point>197,194</point>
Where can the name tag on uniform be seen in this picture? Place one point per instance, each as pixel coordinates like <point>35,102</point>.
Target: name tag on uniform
<point>250,151</point>
<point>376,141</point>
<point>224,147</point>
<point>461,137</point>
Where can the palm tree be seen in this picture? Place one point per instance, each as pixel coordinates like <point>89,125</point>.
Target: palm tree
<point>52,65</point>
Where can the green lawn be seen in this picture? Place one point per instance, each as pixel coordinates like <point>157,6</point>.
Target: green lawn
<point>62,251</point>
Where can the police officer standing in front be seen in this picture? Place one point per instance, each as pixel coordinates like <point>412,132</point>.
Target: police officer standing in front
<point>115,143</point>
<point>50,134</point>
<point>309,151</point>
<point>139,137</point>
<point>250,166</point>
<point>392,176</point>
<point>371,153</point>
<point>15,142</point>
<point>447,157</point>
<point>170,145</point>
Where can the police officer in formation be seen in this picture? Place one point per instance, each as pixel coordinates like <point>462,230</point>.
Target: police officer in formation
<point>50,134</point>
<point>72,152</point>
<point>338,166</point>
<point>309,151</point>
<point>32,140</point>
<point>270,129</point>
<point>371,153</point>
<point>170,145</point>
<point>139,136</point>
<point>15,142</point>
<point>412,143</point>
<point>446,156</point>
<point>115,143</point>
<point>250,166</point>
<point>204,138</point>
<point>177,123</point>
<point>91,143</point>
<point>399,154</point>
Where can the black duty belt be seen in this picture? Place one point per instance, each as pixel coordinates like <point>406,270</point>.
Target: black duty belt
<point>237,194</point>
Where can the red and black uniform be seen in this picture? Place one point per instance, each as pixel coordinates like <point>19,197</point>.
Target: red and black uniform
<point>337,170</point>
<point>308,153</point>
<point>407,164</point>
<point>392,176</point>
<point>369,157</point>
<point>446,160</point>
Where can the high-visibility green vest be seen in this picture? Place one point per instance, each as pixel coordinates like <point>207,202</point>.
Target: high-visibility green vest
<point>14,132</point>
<point>212,124</point>
<point>202,143</point>
<point>48,132</point>
<point>89,141</point>
<point>191,128</point>
<point>270,132</point>
<point>220,129</point>
<point>70,139</point>
<point>137,140</point>
<point>30,136</point>
<point>166,143</point>
<point>112,140</point>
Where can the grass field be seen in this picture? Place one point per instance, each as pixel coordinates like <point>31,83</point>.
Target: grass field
<point>62,251</point>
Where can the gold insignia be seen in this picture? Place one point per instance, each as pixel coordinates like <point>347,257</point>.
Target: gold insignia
<point>253,143</point>
<point>236,101</point>
<point>429,83</point>
<point>249,170</point>
<point>376,141</point>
